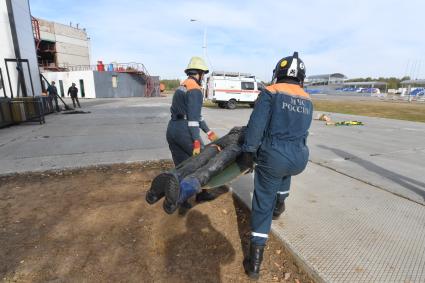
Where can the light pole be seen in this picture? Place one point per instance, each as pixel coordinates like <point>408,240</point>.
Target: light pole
<point>204,48</point>
<point>204,44</point>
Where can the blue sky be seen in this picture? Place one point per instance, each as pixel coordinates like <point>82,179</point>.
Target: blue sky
<point>358,38</point>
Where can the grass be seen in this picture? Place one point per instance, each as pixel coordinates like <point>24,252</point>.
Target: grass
<point>393,110</point>
<point>383,109</point>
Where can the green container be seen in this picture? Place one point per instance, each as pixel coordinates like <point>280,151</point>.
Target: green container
<point>5,114</point>
<point>30,109</point>
<point>18,111</point>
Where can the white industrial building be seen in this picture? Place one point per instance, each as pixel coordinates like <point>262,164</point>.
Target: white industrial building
<point>60,46</point>
<point>105,84</point>
<point>18,59</point>
<point>326,79</point>
<point>31,48</point>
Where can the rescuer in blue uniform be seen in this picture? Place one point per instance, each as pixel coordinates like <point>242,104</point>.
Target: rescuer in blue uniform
<point>183,132</point>
<point>276,139</point>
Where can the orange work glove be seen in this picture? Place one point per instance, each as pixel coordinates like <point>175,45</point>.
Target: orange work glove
<point>196,147</point>
<point>212,136</point>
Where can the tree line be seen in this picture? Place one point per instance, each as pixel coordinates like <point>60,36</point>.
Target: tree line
<point>171,84</point>
<point>392,82</point>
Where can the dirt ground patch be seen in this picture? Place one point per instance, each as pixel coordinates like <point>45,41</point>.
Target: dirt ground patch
<point>93,225</point>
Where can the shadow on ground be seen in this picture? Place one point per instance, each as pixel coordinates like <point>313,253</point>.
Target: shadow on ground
<point>93,225</point>
<point>201,264</point>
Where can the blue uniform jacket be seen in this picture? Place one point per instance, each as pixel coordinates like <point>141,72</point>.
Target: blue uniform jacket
<point>282,114</point>
<point>187,104</point>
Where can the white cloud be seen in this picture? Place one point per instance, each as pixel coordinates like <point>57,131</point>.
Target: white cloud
<point>359,38</point>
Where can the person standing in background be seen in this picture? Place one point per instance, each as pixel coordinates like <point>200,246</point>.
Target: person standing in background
<point>53,95</point>
<point>73,91</point>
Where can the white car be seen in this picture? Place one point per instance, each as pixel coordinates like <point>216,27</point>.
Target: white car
<point>227,89</point>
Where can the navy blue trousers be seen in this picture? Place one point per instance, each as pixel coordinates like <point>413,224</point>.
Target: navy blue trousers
<point>179,141</point>
<point>276,163</point>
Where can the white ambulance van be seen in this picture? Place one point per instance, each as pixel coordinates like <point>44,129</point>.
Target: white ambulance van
<point>227,89</point>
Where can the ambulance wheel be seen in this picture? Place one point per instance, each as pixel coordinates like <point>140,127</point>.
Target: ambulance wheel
<point>222,105</point>
<point>231,104</point>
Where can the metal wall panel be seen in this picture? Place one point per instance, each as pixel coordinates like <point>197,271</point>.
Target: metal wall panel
<point>68,78</point>
<point>6,44</point>
<point>27,49</point>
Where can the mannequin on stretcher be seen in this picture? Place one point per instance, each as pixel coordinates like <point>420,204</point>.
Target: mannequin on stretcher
<point>215,166</point>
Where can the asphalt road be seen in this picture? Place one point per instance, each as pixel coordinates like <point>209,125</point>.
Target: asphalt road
<point>354,215</point>
<point>388,154</point>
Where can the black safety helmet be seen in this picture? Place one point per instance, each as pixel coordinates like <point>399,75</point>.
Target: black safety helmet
<point>290,67</point>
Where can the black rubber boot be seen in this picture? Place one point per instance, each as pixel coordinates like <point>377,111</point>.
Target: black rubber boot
<point>158,186</point>
<point>279,208</point>
<point>204,195</point>
<point>179,194</point>
<point>170,203</point>
<point>252,262</point>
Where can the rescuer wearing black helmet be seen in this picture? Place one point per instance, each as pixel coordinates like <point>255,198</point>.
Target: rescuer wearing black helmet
<point>276,138</point>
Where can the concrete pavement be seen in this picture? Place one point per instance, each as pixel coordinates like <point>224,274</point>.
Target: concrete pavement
<point>115,131</point>
<point>388,154</point>
<point>355,215</point>
<point>344,230</point>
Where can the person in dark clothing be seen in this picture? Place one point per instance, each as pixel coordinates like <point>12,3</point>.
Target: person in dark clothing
<point>73,91</point>
<point>183,132</point>
<point>53,96</point>
<point>276,139</point>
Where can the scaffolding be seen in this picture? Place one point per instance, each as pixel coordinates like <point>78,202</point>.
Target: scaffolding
<point>36,31</point>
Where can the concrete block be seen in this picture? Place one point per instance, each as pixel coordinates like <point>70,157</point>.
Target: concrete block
<point>72,49</point>
<point>71,40</point>
<point>68,31</point>
<point>68,59</point>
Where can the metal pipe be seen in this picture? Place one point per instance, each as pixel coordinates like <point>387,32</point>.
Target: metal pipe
<point>2,83</point>
<point>29,73</point>
<point>8,78</point>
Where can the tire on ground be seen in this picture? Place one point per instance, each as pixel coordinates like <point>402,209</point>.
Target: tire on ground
<point>231,104</point>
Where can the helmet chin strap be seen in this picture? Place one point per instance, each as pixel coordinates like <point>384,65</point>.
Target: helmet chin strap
<point>199,82</point>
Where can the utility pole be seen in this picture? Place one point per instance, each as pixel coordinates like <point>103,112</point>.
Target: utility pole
<point>204,43</point>
<point>204,46</point>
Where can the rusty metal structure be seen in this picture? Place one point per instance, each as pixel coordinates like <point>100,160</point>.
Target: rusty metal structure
<point>46,55</point>
<point>36,31</point>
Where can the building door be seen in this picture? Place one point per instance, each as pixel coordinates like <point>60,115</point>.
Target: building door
<point>83,93</point>
<point>61,88</point>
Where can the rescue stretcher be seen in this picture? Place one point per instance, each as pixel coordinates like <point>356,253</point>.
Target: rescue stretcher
<point>216,166</point>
